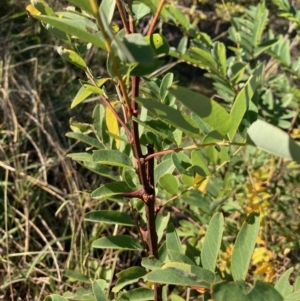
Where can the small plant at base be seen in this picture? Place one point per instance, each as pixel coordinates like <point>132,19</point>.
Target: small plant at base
<point>163,154</point>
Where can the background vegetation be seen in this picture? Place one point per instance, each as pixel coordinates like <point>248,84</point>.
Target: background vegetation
<point>43,194</point>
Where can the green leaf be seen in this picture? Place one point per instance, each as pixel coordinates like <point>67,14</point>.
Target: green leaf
<point>169,183</point>
<point>103,170</point>
<point>140,10</point>
<point>72,57</point>
<point>170,115</point>
<point>236,72</point>
<point>76,276</point>
<point>110,189</point>
<point>238,291</point>
<point>123,57</point>
<point>297,283</point>
<point>172,276</point>
<point>176,256</point>
<point>172,239</point>
<point>263,47</point>
<point>81,19</point>
<point>219,52</point>
<point>55,297</point>
<point>86,139</point>
<point>84,5</point>
<point>244,246</point>
<point>128,276</point>
<point>142,70</point>
<point>212,242</point>
<point>282,51</point>
<point>283,284</point>
<point>223,155</point>
<point>158,43</point>
<point>98,116</point>
<point>242,101</point>
<point>72,27</point>
<point>178,16</point>
<point>130,177</point>
<point>153,4</point>
<point>139,48</point>
<point>204,58</point>
<point>93,89</point>
<point>107,7</point>
<point>112,157</point>
<point>118,242</point>
<point>165,85</point>
<point>186,58</point>
<point>109,217</point>
<point>59,34</point>
<point>43,7</point>
<point>164,167</point>
<point>116,137</point>
<point>182,46</point>
<point>157,127</point>
<point>162,253</point>
<point>208,110</point>
<point>151,263</point>
<point>98,292</point>
<point>283,4</point>
<point>137,294</point>
<point>80,156</point>
<point>212,137</point>
<point>81,95</point>
<point>260,22</point>
<point>161,223</point>
<point>182,162</point>
<point>187,180</point>
<point>273,140</point>
<point>204,276</point>
<point>80,294</point>
<point>295,296</point>
<point>80,127</point>
<point>86,90</point>
<point>174,297</point>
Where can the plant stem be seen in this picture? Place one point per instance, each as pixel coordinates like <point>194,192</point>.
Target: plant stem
<point>122,15</point>
<point>191,147</point>
<point>145,172</point>
<point>107,103</point>
<point>157,292</point>
<point>155,18</point>
<point>151,216</point>
<point>151,230</point>
<point>107,41</point>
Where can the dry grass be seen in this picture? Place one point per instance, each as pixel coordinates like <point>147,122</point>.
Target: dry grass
<point>39,186</point>
<point>42,192</point>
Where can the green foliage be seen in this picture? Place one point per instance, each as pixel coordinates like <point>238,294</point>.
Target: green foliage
<point>244,246</point>
<point>212,242</point>
<point>239,291</point>
<point>169,142</point>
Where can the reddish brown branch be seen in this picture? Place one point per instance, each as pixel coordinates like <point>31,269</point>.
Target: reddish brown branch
<point>150,168</point>
<point>131,23</point>
<point>136,145</point>
<point>151,229</point>
<point>133,194</point>
<point>155,18</point>
<point>107,103</point>
<point>149,199</point>
<point>145,170</point>
<point>190,147</point>
<point>122,15</point>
